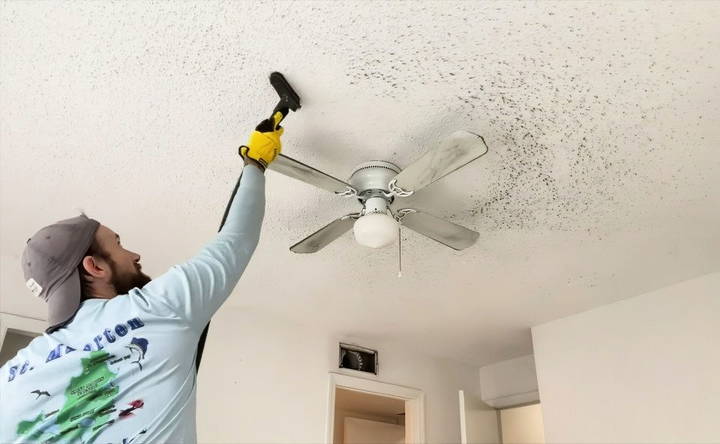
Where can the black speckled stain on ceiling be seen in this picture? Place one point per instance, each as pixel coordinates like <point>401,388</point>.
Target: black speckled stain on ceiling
<point>568,98</point>
<point>580,103</point>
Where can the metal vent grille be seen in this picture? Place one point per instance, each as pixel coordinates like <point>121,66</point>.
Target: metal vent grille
<point>358,358</point>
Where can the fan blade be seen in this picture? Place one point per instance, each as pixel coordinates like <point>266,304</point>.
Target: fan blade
<point>447,233</point>
<point>298,170</point>
<point>456,151</point>
<point>322,237</point>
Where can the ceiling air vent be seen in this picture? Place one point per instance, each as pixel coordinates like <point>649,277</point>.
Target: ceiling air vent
<point>358,358</point>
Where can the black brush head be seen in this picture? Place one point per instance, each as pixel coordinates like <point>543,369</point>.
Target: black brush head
<point>288,96</point>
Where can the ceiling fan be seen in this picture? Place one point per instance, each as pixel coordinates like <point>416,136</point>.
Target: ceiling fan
<point>376,184</point>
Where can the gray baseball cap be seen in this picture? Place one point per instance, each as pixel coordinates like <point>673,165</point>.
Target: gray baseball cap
<point>50,262</point>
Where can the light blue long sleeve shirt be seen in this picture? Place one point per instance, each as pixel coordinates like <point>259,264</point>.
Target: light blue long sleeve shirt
<point>123,371</point>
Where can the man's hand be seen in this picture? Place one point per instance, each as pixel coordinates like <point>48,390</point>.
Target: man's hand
<point>264,144</point>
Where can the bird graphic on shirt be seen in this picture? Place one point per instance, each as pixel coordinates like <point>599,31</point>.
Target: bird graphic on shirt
<point>39,393</point>
<point>137,404</point>
<point>138,347</point>
<point>129,441</point>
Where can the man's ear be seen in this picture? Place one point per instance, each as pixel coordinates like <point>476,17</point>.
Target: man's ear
<point>95,268</point>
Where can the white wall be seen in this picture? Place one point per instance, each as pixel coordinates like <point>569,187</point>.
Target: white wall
<point>508,383</point>
<point>265,379</point>
<point>646,369</point>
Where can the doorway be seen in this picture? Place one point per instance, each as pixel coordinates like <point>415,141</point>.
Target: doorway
<point>12,342</point>
<point>16,332</point>
<point>366,418</point>
<point>522,424</point>
<point>372,412</point>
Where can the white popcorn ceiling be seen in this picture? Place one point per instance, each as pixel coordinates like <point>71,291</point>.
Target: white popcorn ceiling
<point>601,182</point>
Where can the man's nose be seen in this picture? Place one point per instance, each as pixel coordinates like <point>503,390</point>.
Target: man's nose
<point>136,257</point>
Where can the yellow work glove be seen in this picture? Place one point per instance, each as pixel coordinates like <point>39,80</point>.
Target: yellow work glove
<point>264,144</point>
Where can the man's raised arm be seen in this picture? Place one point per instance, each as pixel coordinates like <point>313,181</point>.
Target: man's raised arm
<point>196,289</point>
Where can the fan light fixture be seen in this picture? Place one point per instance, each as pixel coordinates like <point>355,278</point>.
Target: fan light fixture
<point>376,185</point>
<point>375,230</point>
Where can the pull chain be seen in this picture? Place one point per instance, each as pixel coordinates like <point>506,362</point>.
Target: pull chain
<point>401,213</point>
<point>399,252</point>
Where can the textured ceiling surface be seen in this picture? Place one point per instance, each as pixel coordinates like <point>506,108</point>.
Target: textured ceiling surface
<point>601,182</point>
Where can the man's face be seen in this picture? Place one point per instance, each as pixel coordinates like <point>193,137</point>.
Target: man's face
<point>124,264</point>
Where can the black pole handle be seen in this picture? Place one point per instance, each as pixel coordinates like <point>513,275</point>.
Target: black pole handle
<point>289,100</point>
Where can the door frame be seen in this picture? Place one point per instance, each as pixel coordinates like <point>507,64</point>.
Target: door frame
<point>414,403</point>
<point>20,324</point>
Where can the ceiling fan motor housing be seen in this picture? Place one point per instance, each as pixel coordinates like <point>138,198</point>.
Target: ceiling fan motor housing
<point>376,226</point>
<point>376,205</point>
<point>371,180</point>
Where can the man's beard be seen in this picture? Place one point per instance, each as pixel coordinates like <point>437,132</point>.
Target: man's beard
<point>123,284</point>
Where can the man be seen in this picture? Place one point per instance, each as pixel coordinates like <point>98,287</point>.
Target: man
<point>117,362</point>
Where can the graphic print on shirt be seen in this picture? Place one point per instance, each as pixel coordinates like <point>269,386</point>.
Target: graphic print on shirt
<point>99,342</point>
<point>137,404</point>
<point>87,400</point>
<point>90,399</point>
<point>138,348</point>
<point>40,393</point>
<point>131,440</point>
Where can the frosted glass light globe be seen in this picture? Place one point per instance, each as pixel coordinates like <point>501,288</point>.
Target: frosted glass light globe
<point>375,230</point>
